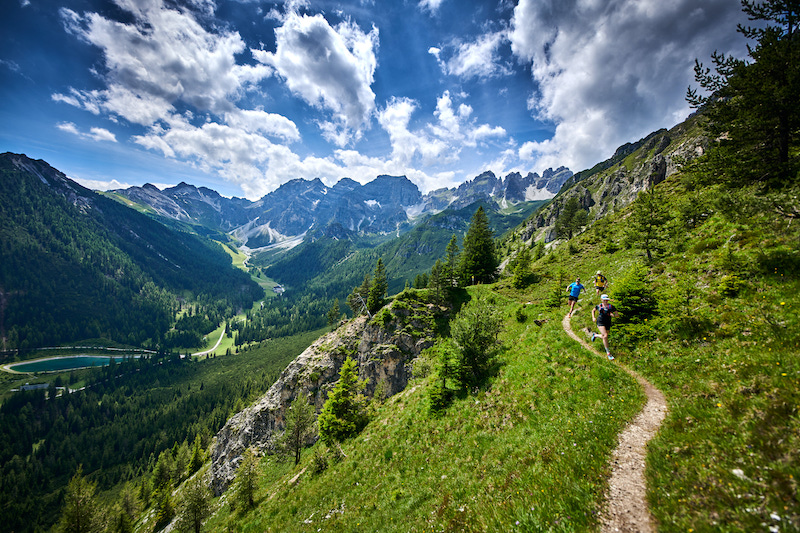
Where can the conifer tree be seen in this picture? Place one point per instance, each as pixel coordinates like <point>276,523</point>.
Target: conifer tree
<point>357,300</point>
<point>571,219</point>
<point>81,513</point>
<point>246,481</point>
<point>162,473</point>
<point>474,331</point>
<point>646,226</point>
<point>437,280</point>
<point>334,313</point>
<point>197,456</point>
<point>344,413</point>
<point>299,427</point>
<point>522,268</point>
<point>478,259</point>
<point>450,267</point>
<point>195,505</point>
<point>753,112</point>
<point>377,292</point>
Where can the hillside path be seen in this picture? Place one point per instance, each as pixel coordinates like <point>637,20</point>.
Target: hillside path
<point>627,510</point>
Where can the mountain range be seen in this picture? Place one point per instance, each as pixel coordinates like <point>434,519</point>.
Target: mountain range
<point>385,205</point>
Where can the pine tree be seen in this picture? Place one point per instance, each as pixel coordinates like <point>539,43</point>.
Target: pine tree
<point>162,473</point>
<point>437,280</point>
<point>753,112</point>
<point>343,415</point>
<point>571,219</point>
<point>81,513</point>
<point>246,481</point>
<point>357,300</point>
<point>334,313</point>
<point>197,456</point>
<point>299,427</point>
<point>522,268</point>
<point>646,226</point>
<point>377,292</point>
<point>195,505</point>
<point>474,331</point>
<point>478,259</point>
<point>450,268</point>
<point>634,295</point>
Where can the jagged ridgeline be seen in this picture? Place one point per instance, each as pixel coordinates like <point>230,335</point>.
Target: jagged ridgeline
<point>614,183</point>
<point>77,265</point>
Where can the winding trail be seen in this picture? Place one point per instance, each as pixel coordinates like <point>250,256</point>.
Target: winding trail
<point>627,510</point>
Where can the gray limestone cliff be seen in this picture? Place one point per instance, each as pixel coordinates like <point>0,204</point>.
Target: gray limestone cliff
<point>615,183</point>
<point>383,347</point>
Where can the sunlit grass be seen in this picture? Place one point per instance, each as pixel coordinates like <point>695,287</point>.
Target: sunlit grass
<point>529,450</point>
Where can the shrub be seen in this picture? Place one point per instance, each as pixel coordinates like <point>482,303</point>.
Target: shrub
<point>344,413</point>
<point>635,300</point>
<point>730,285</point>
<point>441,393</point>
<point>474,331</point>
<point>554,298</point>
<point>319,462</point>
<point>383,318</point>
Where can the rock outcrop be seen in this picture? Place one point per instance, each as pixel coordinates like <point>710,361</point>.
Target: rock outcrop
<point>615,183</point>
<point>383,347</point>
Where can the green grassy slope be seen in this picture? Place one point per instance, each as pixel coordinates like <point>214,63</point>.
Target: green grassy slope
<point>722,342</point>
<point>532,447</point>
<point>530,452</point>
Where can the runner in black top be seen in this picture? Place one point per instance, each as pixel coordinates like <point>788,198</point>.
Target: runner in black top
<point>602,314</point>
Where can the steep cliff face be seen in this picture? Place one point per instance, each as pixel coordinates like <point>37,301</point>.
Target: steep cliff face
<point>615,183</point>
<point>383,348</point>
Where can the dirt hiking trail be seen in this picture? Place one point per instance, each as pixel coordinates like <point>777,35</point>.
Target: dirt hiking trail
<point>627,510</point>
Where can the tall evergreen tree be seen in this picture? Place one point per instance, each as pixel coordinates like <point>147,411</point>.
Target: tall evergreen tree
<point>752,109</point>
<point>377,292</point>
<point>357,300</point>
<point>198,458</point>
<point>479,259</point>
<point>450,267</point>
<point>571,219</point>
<point>334,313</point>
<point>195,505</point>
<point>437,279</point>
<point>246,481</point>
<point>646,226</point>
<point>81,513</point>
<point>299,427</point>
<point>344,413</point>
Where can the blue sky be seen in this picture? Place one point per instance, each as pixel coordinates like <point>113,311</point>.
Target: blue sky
<point>242,96</point>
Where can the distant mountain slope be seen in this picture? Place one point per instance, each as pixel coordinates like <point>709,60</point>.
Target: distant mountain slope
<point>615,183</point>
<point>78,265</point>
<point>388,204</point>
<point>339,264</point>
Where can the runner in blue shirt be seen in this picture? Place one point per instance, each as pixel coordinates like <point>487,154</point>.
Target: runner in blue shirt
<point>574,290</point>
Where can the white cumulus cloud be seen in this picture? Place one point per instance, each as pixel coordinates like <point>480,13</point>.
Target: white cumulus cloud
<point>330,68</point>
<point>476,59</point>
<point>95,134</point>
<point>607,73</point>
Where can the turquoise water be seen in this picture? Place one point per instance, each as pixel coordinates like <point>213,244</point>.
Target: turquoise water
<point>64,363</point>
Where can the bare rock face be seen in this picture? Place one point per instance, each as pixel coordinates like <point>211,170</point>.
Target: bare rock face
<point>383,348</point>
<point>615,183</point>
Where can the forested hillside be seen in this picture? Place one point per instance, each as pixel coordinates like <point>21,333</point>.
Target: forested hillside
<point>76,265</point>
<point>117,427</point>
